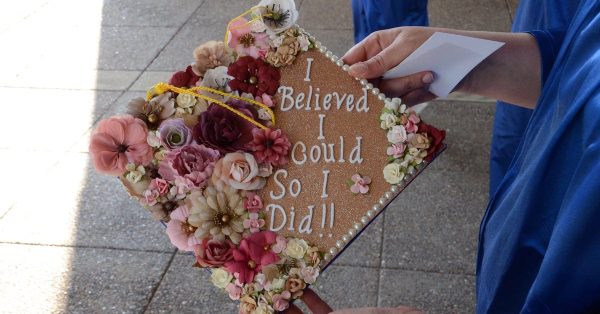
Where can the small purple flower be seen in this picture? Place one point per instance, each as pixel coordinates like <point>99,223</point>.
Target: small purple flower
<point>174,133</point>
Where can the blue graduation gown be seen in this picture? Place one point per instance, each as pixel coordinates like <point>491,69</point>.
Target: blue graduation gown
<point>510,121</point>
<point>373,15</point>
<point>539,242</point>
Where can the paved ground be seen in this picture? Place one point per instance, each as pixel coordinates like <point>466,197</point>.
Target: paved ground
<point>72,241</point>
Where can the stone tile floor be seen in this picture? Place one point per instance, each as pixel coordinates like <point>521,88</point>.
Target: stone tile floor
<point>78,244</point>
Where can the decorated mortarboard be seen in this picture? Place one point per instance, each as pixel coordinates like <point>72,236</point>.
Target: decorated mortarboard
<point>264,158</point>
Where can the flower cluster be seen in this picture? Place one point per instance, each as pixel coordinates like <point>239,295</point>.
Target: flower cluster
<point>411,141</point>
<point>193,154</point>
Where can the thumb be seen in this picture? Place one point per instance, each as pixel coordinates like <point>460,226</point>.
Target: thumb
<point>371,68</point>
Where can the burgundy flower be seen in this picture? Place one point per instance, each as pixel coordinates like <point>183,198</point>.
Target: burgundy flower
<point>253,76</point>
<point>270,146</point>
<point>185,78</point>
<point>213,253</point>
<point>192,162</point>
<point>252,255</point>
<point>436,136</point>
<point>224,130</point>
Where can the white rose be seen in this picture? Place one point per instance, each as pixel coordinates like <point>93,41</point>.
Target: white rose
<point>296,248</point>
<point>392,173</point>
<point>277,284</point>
<point>185,100</point>
<point>153,139</point>
<point>397,134</point>
<point>220,278</point>
<point>402,108</point>
<point>388,120</point>
<point>134,175</point>
<point>309,274</point>
<point>393,104</point>
<point>275,41</point>
<point>304,42</point>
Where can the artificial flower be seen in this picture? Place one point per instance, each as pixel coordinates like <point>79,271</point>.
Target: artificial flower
<point>309,274</point>
<point>174,133</point>
<point>388,120</point>
<point>412,123</point>
<point>254,222</point>
<point>361,184</point>
<point>245,41</point>
<point>313,256</point>
<point>392,173</point>
<point>234,291</point>
<point>213,253</point>
<point>278,15</point>
<point>271,272</point>
<point>179,231</point>
<point>252,255</point>
<point>217,213</point>
<point>437,138</point>
<point>134,174</point>
<point>277,284</point>
<point>394,104</point>
<point>210,55</point>
<point>296,248</point>
<point>224,130</point>
<point>238,170</point>
<point>295,285</point>
<point>281,301</point>
<point>263,308</point>
<point>185,78</point>
<point>419,141</point>
<point>118,141</point>
<point>280,244</point>
<point>252,202</point>
<point>397,134</point>
<point>136,189</point>
<point>153,139</point>
<point>218,79</point>
<point>396,150</point>
<point>157,188</point>
<point>265,99</point>
<point>193,162</point>
<point>185,101</point>
<point>270,146</point>
<point>181,187</point>
<point>247,305</point>
<point>253,76</point>
<point>153,112</point>
<point>220,277</point>
<point>288,46</point>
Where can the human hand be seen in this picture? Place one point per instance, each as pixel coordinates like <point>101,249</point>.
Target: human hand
<point>317,306</point>
<point>383,50</point>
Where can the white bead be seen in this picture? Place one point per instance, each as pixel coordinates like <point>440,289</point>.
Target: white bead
<point>370,213</point>
<point>394,189</point>
<point>351,233</point>
<point>376,207</point>
<point>369,86</point>
<point>346,67</point>
<point>375,91</point>
<point>345,238</point>
<point>327,257</point>
<point>332,251</point>
<point>334,58</point>
<point>363,82</point>
<point>364,220</point>
<point>358,226</point>
<point>323,49</point>
<point>318,44</point>
<point>411,171</point>
<point>329,54</point>
<point>382,201</point>
<point>339,244</point>
<point>381,96</point>
<point>339,63</point>
<point>388,194</point>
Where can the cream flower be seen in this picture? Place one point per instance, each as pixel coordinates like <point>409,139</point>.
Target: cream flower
<point>397,134</point>
<point>220,277</point>
<point>278,15</point>
<point>277,284</point>
<point>263,308</point>
<point>238,170</point>
<point>388,120</point>
<point>393,104</point>
<point>185,101</point>
<point>392,173</point>
<point>217,213</point>
<point>296,248</point>
<point>134,175</point>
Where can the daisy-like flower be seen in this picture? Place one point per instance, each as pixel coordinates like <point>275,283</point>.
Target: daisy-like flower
<point>270,146</point>
<point>217,213</point>
<point>153,112</point>
<point>245,41</point>
<point>252,255</point>
<point>278,15</point>
<point>253,76</point>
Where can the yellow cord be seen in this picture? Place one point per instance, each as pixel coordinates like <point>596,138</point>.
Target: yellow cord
<point>254,19</point>
<point>161,88</point>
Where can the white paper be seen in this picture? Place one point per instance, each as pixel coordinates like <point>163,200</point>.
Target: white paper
<point>450,57</point>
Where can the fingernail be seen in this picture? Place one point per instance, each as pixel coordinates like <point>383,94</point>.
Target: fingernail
<point>427,78</point>
<point>358,68</point>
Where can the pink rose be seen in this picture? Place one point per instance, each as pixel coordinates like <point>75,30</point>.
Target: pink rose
<point>238,170</point>
<point>213,253</point>
<point>193,162</point>
<point>397,134</point>
<point>280,244</point>
<point>234,291</point>
<point>412,125</point>
<point>160,185</point>
<point>396,150</point>
<point>281,301</point>
<point>253,203</point>
<point>149,198</point>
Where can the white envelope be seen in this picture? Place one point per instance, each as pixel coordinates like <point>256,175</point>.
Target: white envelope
<point>450,57</point>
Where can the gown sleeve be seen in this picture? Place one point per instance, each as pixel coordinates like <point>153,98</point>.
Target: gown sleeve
<point>549,42</point>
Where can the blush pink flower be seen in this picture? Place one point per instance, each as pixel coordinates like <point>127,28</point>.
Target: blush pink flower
<point>238,170</point>
<point>412,124</point>
<point>179,231</point>
<point>253,203</point>
<point>235,292</point>
<point>252,255</point>
<point>396,150</point>
<point>254,223</point>
<point>361,184</point>
<point>270,146</point>
<point>265,99</point>
<point>193,162</point>
<point>245,41</point>
<point>118,141</point>
<point>280,244</point>
<point>281,301</point>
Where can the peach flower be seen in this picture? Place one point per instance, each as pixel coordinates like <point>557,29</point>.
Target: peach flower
<point>118,141</point>
<point>238,170</point>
